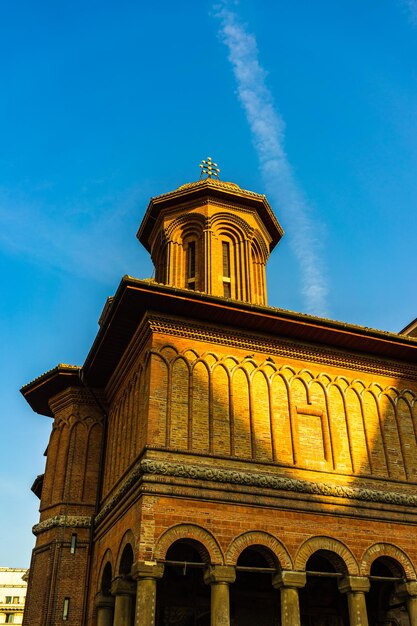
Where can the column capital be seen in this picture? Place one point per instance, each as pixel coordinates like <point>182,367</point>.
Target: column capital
<point>407,589</point>
<point>147,569</point>
<point>121,586</point>
<point>103,600</point>
<point>289,578</point>
<point>219,574</point>
<point>354,584</point>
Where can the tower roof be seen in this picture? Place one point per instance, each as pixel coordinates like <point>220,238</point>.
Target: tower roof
<point>210,188</point>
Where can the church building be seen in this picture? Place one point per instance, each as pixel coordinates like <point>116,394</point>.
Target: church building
<point>217,461</point>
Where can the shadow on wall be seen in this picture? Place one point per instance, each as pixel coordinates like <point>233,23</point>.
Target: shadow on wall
<point>300,421</point>
<point>296,418</point>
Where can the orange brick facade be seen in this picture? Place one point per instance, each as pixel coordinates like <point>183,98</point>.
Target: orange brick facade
<point>215,462</point>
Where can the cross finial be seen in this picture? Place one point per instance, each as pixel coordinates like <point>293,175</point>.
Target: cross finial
<point>210,168</point>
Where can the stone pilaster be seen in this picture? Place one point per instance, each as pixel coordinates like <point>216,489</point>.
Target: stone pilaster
<point>146,574</point>
<point>408,590</point>
<point>219,577</point>
<point>123,591</point>
<point>288,582</point>
<point>355,587</point>
<point>105,606</point>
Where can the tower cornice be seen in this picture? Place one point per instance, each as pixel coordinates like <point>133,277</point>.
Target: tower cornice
<point>209,188</point>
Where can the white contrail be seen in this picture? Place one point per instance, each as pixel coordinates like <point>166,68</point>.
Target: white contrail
<point>412,9</point>
<point>267,129</point>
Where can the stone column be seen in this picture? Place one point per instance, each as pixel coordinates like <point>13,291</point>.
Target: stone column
<point>409,592</point>
<point>146,573</point>
<point>355,587</point>
<point>104,605</point>
<point>123,591</point>
<point>219,578</point>
<point>289,583</point>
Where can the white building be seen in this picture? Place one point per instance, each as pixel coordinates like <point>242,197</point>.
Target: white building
<point>13,584</point>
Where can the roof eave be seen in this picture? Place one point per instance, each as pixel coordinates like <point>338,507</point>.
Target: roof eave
<point>135,297</point>
<point>39,391</point>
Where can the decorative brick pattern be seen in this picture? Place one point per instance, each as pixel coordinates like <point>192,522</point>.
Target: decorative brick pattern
<point>236,339</point>
<point>346,562</point>
<point>205,543</point>
<point>388,550</point>
<point>222,439</point>
<point>275,552</point>
<point>270,412</point>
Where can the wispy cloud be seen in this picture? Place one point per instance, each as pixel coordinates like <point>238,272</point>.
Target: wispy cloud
<point>267,128</point>
<point>91,241</point>
<point>411,5</point>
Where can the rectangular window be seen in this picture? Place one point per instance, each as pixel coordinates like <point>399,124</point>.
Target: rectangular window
<point>73,543</point>
<point>65,609</point>
<point>190,284</point>
<point>226,258</point>
<point>226,290</point>
<point>8,599</point>
<point>16,599</point>
<point>191,260</point>
<point>9,618</point>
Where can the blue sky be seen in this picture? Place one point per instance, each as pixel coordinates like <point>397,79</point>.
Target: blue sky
<point>105,104</point>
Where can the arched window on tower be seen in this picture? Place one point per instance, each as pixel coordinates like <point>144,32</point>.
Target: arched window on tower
<point>161,265</point>
<point>258,275</point>
<point>191,265</point>
<point>227,288</point>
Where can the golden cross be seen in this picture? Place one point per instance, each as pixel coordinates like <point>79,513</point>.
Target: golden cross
<point>210,168</point>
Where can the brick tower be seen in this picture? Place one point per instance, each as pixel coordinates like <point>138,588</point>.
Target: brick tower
<point>217,461</point>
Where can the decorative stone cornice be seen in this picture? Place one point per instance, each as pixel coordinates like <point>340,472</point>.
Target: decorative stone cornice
<point>280,347</point>
<point>60,521</point>
<point>257,479</point>
<point>270,481</point>
<point>131,479</point>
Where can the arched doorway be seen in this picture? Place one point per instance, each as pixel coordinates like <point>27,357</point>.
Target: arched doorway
<point>106,579</point>
<point>183,599</point>
<point>321,603</point>
<point>125,569</point>
<point>126,561</point>
<point>384,606</point>
<point>253,599</point>
<point>104,601</point>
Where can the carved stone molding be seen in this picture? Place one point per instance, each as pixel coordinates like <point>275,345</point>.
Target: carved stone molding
<point>60,521</point>
<point>131,479</point>
<point>280,347</point>
<point>251,479</point>
<point>269,481</point>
